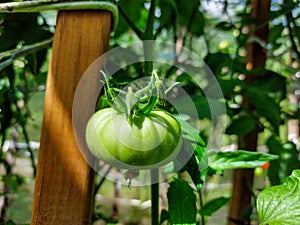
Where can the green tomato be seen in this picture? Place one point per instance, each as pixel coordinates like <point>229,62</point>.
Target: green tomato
<point>258,172</point>
<point>147,142</point>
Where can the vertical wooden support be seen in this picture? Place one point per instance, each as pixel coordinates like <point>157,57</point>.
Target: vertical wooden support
<point>64,182</point>
<point>256,57</point>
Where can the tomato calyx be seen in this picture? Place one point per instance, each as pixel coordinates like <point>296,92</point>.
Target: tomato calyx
<point>139,103</point>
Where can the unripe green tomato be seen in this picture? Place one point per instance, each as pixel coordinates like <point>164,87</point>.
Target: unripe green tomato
<point>147,142</point>
<point>259,172</point>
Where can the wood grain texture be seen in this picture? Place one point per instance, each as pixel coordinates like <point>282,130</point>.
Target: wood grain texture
<point>242,192</point>
<point>64,182</point>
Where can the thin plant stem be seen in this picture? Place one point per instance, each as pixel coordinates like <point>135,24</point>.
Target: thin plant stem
<point>154,197</point>
<point>31,153</point>
<point>17,53</point>
<point>149,35</point>
<point>98,186</point>
<point>201,205</point>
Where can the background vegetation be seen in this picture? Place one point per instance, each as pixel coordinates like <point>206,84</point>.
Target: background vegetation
<point>220,32</point>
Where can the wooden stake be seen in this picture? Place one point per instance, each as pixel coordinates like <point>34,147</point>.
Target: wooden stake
<point>64,183</point>
<point>256,57</point>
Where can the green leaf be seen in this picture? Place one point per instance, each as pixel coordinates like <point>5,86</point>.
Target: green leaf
<point>240,159</point>
<point>190,158</point>
<point>273,84</point>
<point>279,205</point>
<point>122,26</point>
<point>168,12</point>
<point>275,33</point>
<point>212,206</point>
<point>189,132</point>
<point>264,105</point>
<point>182,203</point>
<point>198,23</point>
<point>13,181</point>
<point>185,10</point>
<point>240,126</point>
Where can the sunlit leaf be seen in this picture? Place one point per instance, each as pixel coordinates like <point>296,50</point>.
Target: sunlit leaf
<point>279,205</point>
<point>190,132</point>
<point>240,159</point>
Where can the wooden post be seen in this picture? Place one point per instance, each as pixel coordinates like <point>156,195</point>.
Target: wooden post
<point>256,58</point>
<point>64,183</point>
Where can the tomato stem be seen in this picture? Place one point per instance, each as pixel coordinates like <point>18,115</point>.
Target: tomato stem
<point>154,197</point>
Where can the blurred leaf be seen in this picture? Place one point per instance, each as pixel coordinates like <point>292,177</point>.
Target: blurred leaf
<point>240,159</point>
<point>227,87</point>
<point>288,160</point>
<point>185,10</point>
<point>122,26</point>
<point>242,39</point>
<point>34,33</point>
<point>192,168</point>
<point>36,60</point>
<point>212,206</point>
<point>197,24</point>
<point>225,26</point>
<point>216,61</point>
<point>190,158</point>
<point>241,126</point>
<point>133,9</point>
<point>275,33</point>
<point>13,181</point>
<point>285,8</point>
<point>297,32</point>
<point>264,105</point>
<point>8,40</point>
<point>190,132</point>
<point>164,216</point>
<point>168,12</point>
<point>279,205</point>
<point>272,84</point>
<point>246,18</point>
<point>21,26</point>
<point>10,222</point>
<point>182,207</point>
<point>206,107</point>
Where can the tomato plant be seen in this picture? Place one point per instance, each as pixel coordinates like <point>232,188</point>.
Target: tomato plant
<point>131,134</point>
